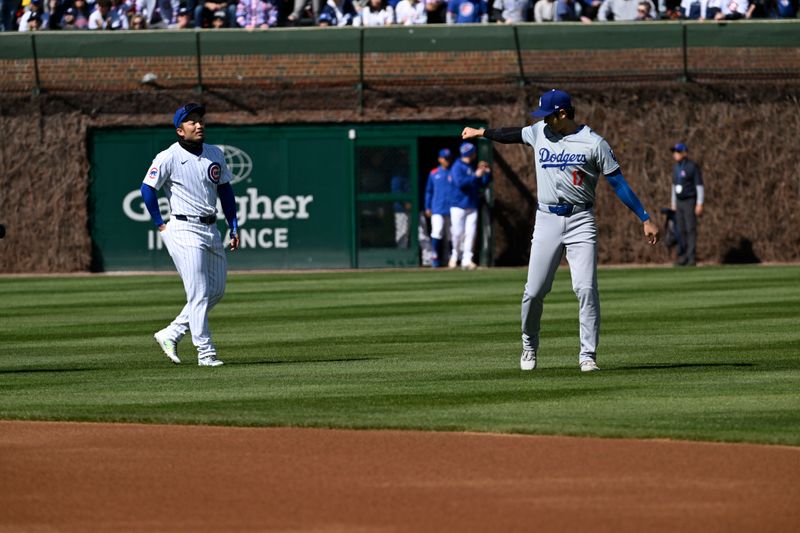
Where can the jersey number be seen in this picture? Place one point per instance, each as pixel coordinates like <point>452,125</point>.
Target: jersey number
<point>578,177</point>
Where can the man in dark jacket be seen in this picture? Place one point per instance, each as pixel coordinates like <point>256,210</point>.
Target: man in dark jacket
<point>687,202</point>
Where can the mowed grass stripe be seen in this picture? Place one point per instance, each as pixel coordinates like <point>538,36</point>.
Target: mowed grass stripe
<point>706,353</point>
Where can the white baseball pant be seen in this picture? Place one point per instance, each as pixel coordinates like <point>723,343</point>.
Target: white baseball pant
<point>439,226</point>
<point>551,235</point>
<point>401,229</point>
<point>199,256</point>
<point>463,227</point>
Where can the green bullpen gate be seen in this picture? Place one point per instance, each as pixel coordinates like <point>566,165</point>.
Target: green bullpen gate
<point>332,196</point>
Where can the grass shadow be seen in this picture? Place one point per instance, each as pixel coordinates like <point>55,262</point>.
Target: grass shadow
<point>301,361</point>
<point>682,365</point>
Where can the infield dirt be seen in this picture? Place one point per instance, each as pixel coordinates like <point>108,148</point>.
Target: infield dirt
<point>125,477</point>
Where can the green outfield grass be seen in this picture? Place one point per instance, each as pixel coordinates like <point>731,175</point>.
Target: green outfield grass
<point>705,353</point>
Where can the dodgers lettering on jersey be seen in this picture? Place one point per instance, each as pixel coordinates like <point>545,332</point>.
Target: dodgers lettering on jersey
<point>568,167</point>
<point>189,181</point>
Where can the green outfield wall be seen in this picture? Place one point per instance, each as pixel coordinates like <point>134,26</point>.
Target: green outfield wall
<point>334,196</point>
<point>526,53</point>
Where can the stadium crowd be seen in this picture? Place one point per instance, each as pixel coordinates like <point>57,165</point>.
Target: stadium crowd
<point>37,15</point>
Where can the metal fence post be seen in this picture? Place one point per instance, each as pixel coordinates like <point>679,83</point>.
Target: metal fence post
<point>38,88</point>
<point>199,87</point>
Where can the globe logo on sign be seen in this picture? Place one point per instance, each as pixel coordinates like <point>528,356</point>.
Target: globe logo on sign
<point>238,161</point>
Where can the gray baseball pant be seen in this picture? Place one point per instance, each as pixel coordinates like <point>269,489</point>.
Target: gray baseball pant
<point>553,234</point>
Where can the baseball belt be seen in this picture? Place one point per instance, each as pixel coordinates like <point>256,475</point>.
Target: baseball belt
<point>210,219</point>
<point>565,210</point>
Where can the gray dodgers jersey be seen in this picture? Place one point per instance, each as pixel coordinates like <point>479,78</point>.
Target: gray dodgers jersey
<point>189,181</point>
<point>568,167</point>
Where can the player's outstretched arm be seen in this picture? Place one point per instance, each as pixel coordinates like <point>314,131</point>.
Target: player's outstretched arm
<point>628,197</point>
<point>651,231</point>
<point>472,133</point>
<point>500,135</point>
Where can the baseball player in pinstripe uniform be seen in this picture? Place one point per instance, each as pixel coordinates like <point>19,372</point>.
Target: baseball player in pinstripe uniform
<point>569,159</point>
<point>193,175</point>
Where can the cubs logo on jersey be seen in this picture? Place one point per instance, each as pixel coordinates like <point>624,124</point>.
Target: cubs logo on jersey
<point>466,9</point>
<point>214,172</point>
<point>153,173</point>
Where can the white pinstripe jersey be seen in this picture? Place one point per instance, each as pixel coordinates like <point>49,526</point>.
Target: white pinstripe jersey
<point>568,167</point>
<point>189,181</point>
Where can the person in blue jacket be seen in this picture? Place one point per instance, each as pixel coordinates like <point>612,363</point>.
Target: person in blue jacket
<point>467,12</point>
<point>437,203</point>
<point>468,179</point>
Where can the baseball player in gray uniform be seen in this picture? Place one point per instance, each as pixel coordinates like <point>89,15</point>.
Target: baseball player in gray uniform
<point>569,159</point>
<point>193,175</point>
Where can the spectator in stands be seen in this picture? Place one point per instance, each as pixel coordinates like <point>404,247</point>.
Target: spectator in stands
<point>693,9</point>
<point>511,11</point>
<point>158,14</point>
<point>219,19</point>
<point>375,13</point>
<point>8,15</point>
<point>34,8</point>
<point>304,11</point>
<point>138,22</point>
<point>785,9</point>
<point>733,10</point>
<point>252,14</point>
<point>34,22</point>
<point>467,12</point>
<point>108,16</point>
<point>544,11</point>
<point>337,13</point>
<point>566,11</point>
<point>643,11</point>
<point>709,8</point>
<point>68,21</point>
<point>622,10</point>
<point>183,20</point>
<point>758,9</point>
<point>53,13</point>
<point>437,11</point>
<point>411,12</point>
<point>670,9</point>
<point>577,10</point>
<point>82,14</point>
<point>206,11</point>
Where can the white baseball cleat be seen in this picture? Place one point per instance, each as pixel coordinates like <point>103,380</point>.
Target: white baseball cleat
<point>452,263</point>
<point>589,366</point>
<point>209,360</point>
<point>527,360</point>
<point>470,266</point>
<point>168,346</point>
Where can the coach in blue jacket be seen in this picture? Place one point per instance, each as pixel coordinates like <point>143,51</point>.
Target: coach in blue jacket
<point>468,179</point>
<point>437,202</point>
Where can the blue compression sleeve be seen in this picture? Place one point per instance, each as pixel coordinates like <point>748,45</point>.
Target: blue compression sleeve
<point>628,197</point>
<point>151,202</point>
<point>228,201</point>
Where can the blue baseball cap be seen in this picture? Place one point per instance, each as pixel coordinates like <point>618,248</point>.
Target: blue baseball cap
<point>466,149</point>
<point>680,147</point>
<point>185,111</point>
<point>552,101</point>
<point>445,152</point>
